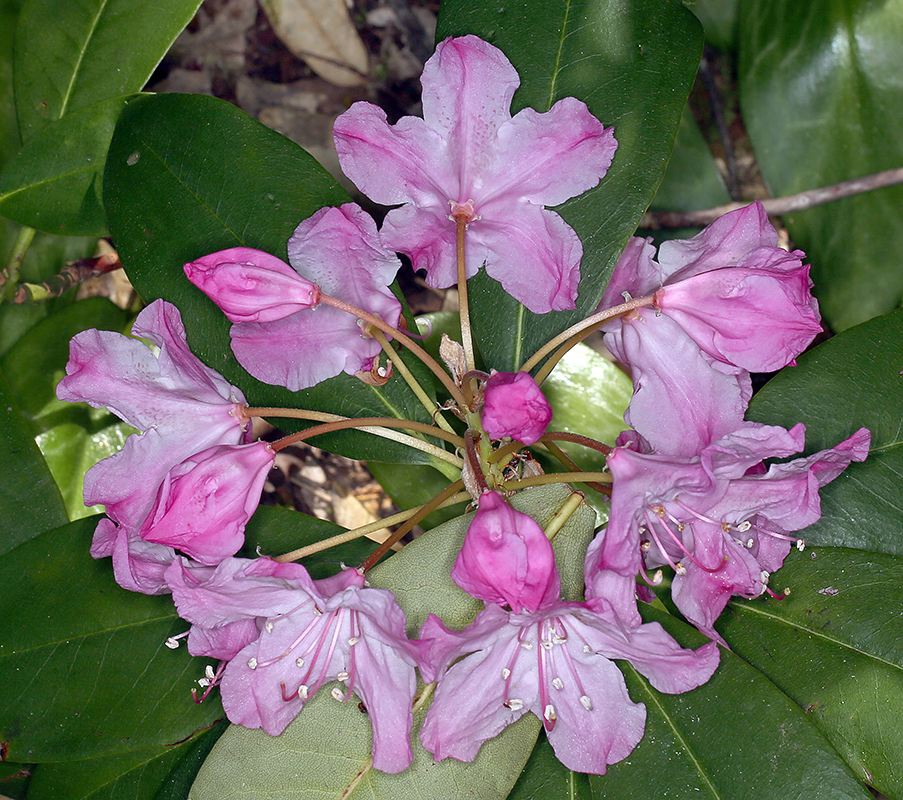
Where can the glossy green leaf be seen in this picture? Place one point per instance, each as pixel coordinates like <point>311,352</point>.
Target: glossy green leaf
<point>834,646</point>
<point>71,55</point>
<point>737,737</point>
<point>54,182</point>
<point>589,395</point>
<point>851,381</point>
<point>29,499</point>
<point>823,103</point>
<point>633,65</point>
<point>169,201</point>
<point>157,773</point>
<point>719,20</point>
<point>86,672</point>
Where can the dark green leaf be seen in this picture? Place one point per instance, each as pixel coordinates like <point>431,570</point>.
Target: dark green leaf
<point>718,18</point>
<point>86,672</point>
<point>633,65</point>
<point>823,103</point>
<point>30,501</point>
<point>178,783</point>
<point>834,646</point>
<point>14,779</point>
<point>853,380</point>
<point>71,55</point>
<point>54,182</point>
<point>188,175</point>
<point>545,777</point>
<point>737,737</point>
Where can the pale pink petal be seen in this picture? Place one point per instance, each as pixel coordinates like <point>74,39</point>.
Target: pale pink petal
<point>636,274</point>
<point>531,251</point>
<point>682,400</point>
<point>548,158</point>
<point>403,163</point>
<point>467,89</point>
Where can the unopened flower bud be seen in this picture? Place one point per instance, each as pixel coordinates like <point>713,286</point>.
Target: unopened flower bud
<point>252,286</point>
<point>515,406</point>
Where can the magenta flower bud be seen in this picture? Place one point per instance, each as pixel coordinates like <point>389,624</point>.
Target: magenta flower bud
<point>206,501</point>
<point>506,558</point>
<point>515,406</point>
<point>252,286</point>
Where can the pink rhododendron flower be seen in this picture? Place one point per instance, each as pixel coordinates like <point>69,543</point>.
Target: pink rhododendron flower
<point>205,501</point>
<point>252,286</point>
<point>338,249</point>
<point>515,406</point>
<point>181,406</point>
<point>553,660</point>
<point>506,558</point>
<point>728,302</point>
<point>288,635</point>
<point>468,156</point>
<point>721,519</point>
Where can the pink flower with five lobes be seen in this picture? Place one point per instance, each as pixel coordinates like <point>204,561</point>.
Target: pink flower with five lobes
<point>285,636</point>
<point>281,335</point>
<point>515,406</point>
<point>180,406</point>
<point>722,520</point>
<point>469,158</point>
<point>544,655</point>
<point>727,302</point>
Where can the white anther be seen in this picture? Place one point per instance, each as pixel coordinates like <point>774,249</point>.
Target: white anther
<point>749,543</point>
<point>203,683</point>
<point>317,612</point>
<point>252,663</point>
<point>658,577</point>
<point>546,644</point>
<point>506,673</point>
<point>548,713</point>
<point>559,639</point>
<point>744,526</point>
<point>514,704</point>
<point>353,641</point>
<point>587,649</point>
<point>299,662</point>
<point>527,645</point>
<point>801,544</point>
<point>208,671</point>
<point>269,627</point>
<point>342,676</point>
<point>558,683</point>
<point>680,569</point>
<point>645,545</point>
<point>586,702</point>
<point>337,694</point>
<point>172,643</point>
<point>302,692</point>
<point>765,576</point>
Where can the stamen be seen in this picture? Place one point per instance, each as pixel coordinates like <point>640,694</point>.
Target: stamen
<point>299,662</point>
<point>337,694</point>
<point>542,655</point>
<point>252,663</point>
<point>683,547</point>
<point>586,702</point>
<point>173,641</point>
<point>514,704</point>
<point>269,626</point>
<point>558,683</point>
<point>801,544</point>
<point>506,673</point>
<point>549,715</point>
<point>342,676</point>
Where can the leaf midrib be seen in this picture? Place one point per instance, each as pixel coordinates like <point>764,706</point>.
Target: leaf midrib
<point>67,96</point>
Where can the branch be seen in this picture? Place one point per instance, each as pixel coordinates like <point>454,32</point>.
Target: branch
<point>656,220</point>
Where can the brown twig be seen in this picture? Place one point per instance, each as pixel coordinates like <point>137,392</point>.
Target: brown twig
<point>657,220</point>
<point>74,273</point>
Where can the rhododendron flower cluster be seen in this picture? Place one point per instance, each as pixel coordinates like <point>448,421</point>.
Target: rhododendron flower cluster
<point>694,488</point>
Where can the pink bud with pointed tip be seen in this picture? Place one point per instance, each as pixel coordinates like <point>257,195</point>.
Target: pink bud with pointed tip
<point>206,501</point>
<point>515,406</point>
<point>252,286</point>
<point>506,558</point>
